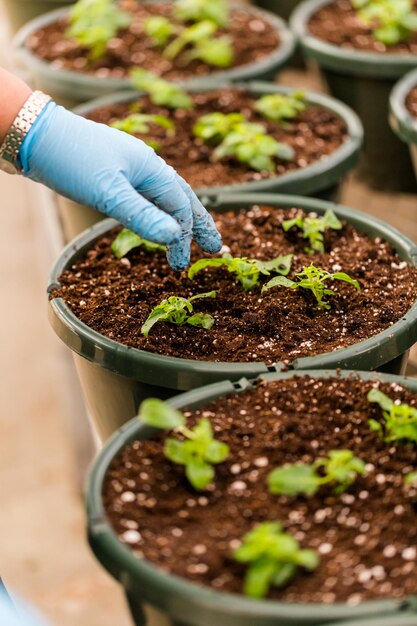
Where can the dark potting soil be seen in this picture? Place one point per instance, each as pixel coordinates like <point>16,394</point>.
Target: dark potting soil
<point>115,297</point>
<point>253,38</point>
<point>366,537</point>
<point>313,134</point>
<point>338,24</point>
<point>411,102</point>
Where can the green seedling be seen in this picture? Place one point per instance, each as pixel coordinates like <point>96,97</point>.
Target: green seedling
<point>247,271</point>
<point>249,144</point>
<point>216,11</point>
<point>138,123</point>
<point>238,138</point>
<point>198,452</point>
<point>213,127</point>
<point>280,108</point>
<point>400,420</point>
<point>410,480</point>
<point>216,51</point>
<point>201,44</point>
<point>313,229</point>
<point>340,469</point>
<point>127,240</point>
<point>314,279</point>
<point>159,29</point>
<point>92,23</point>
<point>179,311</point>
<point>160,91</point>
<point>273,557</point>
<point>391,21</point>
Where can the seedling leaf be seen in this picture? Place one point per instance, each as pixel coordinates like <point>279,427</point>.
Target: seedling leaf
<point>159,414</point>
<point>314,279</point>
<point>410,479</point>
<point>391,21</point>
<point>279,107</point>
<point>92,23</point>
<point>273,558</point>
<point>400,420</point>
<point>216,11</point>
<point>159,28</point>
<point>340,468</point>
<point>127,240</point>
<point>160,91</point>
<point>247,271</point>
<point>178,310</point>
<point>313,228</point>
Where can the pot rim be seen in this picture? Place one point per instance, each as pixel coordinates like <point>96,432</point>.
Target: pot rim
<point>345,61</point>
<point>319,175</point>
<point>276,59</point>
<point>129,361</point>
<point>402,122</point>
<point>155,583</point>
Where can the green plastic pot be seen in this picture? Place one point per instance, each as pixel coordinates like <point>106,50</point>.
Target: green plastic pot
<point>187,604</point>
<point>115,378</point>
<point>283,8</point>
<point>402,122</point>
<point>363,80</point>
<point>19,12</point>
<point>71,88</point>
<point>321,179</point>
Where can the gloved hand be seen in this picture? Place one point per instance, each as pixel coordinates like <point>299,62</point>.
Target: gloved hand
<point>120,176</point>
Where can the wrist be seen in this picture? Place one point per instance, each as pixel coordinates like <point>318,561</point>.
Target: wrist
<point>17,93</point>
<point>23,125</point>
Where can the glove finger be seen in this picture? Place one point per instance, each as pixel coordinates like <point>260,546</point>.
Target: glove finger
<point>164,189</point>
<point>138,214</point>
<point>204,229</point>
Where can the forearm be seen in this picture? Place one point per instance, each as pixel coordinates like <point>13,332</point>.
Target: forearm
<point>13,94</point>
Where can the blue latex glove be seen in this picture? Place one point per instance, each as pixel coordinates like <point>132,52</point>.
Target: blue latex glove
<point>120,176</point>
<point>14,612</point>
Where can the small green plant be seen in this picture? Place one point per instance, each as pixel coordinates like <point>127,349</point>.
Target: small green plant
<point>238,138</point>
<point>339,468</point>
<point>400,420</point>
<point>127,240</point>
<point>280,108</point>
<point>138,123</point>
<point>216,51</point>
<point>273,557</point>
<point>92,23</point>
<point>179,311</point>
<point>250,144</point>
<point>202,45</point>
<point>391,21</point>
<point>213,127</point>
<point>216,11</point>
<point>313,228</point>
<point>247,271</point>
<point>198,452</point>
<point>314,279</point>
<point>159,29</point>
<point>160,91</point>
<point>410,479</point>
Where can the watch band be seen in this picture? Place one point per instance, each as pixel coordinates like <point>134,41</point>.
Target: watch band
<point>9,150</point>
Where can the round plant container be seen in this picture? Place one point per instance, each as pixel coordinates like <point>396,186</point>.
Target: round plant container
<point>364,81</point>
<point>71,88</point>
<point>116,378</point>
<point>320,179</point>
<point>403,123</point>
<point>283,8</point>
<point>20,12</point>
<point>184,603</point>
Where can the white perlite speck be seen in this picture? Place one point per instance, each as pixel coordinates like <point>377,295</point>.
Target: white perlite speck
<point>131,536</point>
<point>409,554</point>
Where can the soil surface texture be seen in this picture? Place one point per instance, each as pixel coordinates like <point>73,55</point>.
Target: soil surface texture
<point>314,134</point>
<point>411,102</point>
<point>338,24</point>
<point>114,297</point>
<point>366,537</point>
<point>253,38</point>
